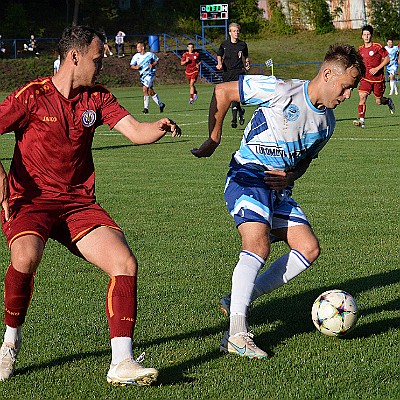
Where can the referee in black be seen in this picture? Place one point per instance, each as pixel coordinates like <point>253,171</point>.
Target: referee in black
<point>233,59</point>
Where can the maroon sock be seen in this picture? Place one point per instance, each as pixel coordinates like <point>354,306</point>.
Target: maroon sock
<point>121,305</point>
<point>18,289</point>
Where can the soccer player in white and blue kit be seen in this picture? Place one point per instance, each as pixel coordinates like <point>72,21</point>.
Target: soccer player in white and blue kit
<point>393,65</point>
<point>145,62</point>
<point>293,122</point>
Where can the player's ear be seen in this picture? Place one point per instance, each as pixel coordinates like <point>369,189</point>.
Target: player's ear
<point>73,54</point>
<point>327,74</point>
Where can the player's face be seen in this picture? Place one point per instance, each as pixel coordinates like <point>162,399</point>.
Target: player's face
<point>140,48</point>
<point>390,43</point>
<point>91,63</point>
<point>190,48</point>
<point>234,33</point>
<point>339,85</point>
<point>366,37</point>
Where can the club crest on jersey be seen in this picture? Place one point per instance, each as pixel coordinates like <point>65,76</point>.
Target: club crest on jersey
<point>88,118</point>
<point>371,53</point>
<point>291,113</point>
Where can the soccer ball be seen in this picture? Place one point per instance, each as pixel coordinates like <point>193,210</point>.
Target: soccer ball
<point>334,312</point>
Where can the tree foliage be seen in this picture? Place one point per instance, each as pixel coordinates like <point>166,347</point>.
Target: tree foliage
<point>386,18</point>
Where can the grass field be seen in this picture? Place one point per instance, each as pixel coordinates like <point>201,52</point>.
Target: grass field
<point>171,207</point>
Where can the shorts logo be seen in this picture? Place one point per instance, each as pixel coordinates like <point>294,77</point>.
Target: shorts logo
<point>291,113</point>
<point>88,118</point>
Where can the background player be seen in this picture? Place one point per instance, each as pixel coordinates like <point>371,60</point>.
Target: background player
<point>192,60</point>
<point>50,193</point>
<point>391,68</point>
<point>278,145</point>
<point>375,58</point>
<point>233,59</point>
<point>145,62</point>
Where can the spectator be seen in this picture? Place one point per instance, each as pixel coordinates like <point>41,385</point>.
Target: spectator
<point>2,48</point>
<point>31,45</point>
<point>119,44</point>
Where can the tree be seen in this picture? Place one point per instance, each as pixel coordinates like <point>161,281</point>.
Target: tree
<point>386,18</point>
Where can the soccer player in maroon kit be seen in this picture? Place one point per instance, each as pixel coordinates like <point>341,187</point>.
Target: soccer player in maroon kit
<point>192,60</point>
<point>375,58</point>
<point>50,193</point>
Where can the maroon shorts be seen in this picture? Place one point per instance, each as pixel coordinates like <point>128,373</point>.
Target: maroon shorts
<point>62,221</point>
<point>378,88</point>
<point>192,77</point>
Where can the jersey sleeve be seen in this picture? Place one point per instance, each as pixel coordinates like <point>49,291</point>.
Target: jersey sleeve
<point>13,115</point>
<point>220,51</point>
<point>154,58</point>
<point>256,89</point>
<point>110,110</point>
<point>133,60</point>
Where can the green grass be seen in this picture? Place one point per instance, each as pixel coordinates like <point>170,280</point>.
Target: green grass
<point>172,210</point>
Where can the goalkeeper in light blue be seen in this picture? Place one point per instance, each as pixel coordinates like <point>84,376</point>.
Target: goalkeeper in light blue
<point>292,123</point>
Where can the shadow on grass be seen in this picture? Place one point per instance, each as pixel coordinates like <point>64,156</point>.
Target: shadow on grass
<point>292,311</point>
<point>121,146</point>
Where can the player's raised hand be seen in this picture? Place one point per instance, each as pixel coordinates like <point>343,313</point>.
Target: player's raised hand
<point>168,125</point>
<point>206,149</point>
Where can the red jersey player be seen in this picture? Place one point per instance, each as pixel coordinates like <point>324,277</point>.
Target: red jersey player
<point>49,193</point>
<point>375,58</point>
<point>192,61</point>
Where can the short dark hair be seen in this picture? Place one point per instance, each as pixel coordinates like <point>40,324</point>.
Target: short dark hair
<point>190,44</point>
<point>368,28</point>
<point>346,56</point>
<point>77,37</point>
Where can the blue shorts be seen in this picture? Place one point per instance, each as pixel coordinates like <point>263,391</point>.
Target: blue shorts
<point>260,204</point>
<point>147,80</point>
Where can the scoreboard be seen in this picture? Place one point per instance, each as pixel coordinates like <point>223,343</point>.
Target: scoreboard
<point>213,12</point>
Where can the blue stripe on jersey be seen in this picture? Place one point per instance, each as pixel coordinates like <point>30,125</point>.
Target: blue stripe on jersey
<point>311,105</point>
<point>258,124</point>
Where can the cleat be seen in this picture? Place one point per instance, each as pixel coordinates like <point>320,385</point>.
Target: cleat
<point>359,123</point>
<point>145,111</point>
<point>391,106</point>
<point>241,117</point>
<point>131,372</point>
<point>234,124</point>
<point>162,107</point>
<point>225,304</point>
<point>8,358</point>
<point>242,344</point>
<point>191,101</point>
<point>195,97</point>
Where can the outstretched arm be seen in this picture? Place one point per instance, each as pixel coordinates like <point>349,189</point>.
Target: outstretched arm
<point>146,132</point>
<point>222,98</point>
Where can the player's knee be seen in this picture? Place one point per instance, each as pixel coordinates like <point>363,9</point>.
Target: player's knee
<point>128,267</point>
<point>25,261</point>
<point>312,252</point>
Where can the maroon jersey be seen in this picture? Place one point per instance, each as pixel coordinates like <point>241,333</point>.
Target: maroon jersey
<point>191,66</point>
<point>372,57</point>
<point>52,155</point>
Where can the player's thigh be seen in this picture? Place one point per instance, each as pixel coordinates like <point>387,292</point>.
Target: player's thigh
<point>255,238</point>
<point>108,249</point>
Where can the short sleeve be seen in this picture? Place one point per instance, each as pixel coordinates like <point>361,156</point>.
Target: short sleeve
<point>256,89</point>
<point>13,114</point>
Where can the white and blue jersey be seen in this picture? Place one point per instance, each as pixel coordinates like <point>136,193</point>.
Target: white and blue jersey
<point>146,72</point>
<point>284,129</point>
<point>393,65</point>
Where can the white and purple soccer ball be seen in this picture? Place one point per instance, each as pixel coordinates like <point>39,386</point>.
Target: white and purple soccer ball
<point>335,312</point>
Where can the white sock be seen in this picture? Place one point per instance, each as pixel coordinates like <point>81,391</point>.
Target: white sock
<point>11,335</point>
<point>392,84</point>
<point>280,272</point>
<point>121,348</point>
<point>243,278</point>
<point>157,99</point>
<point>146,101</point>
